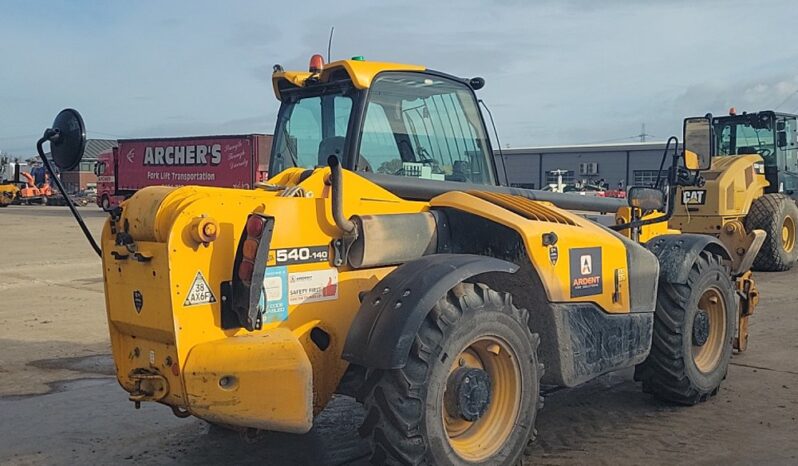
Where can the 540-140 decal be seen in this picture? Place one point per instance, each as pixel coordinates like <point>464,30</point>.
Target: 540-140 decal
<point>306,255</point>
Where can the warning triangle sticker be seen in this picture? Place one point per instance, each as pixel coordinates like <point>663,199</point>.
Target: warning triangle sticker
<point>200,292</point>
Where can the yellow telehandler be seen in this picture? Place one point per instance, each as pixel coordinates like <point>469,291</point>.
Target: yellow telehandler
<point>384,261</point>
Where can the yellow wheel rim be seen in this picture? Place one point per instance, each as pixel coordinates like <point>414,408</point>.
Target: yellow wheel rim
<point>788,234</point>
<point>707,356</point>
<point>480,439</point>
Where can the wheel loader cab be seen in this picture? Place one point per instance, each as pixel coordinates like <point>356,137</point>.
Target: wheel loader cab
<point>769,134</point>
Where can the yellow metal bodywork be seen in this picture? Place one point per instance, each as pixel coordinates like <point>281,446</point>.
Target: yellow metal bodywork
<point>276,377</point>
<point>647,232</point>
<point>361,73</point>
<point>731,186</point>
<point>555,277</point>
<point>8,192</point>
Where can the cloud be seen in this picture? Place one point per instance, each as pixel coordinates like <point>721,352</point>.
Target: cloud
<point>557,72</point>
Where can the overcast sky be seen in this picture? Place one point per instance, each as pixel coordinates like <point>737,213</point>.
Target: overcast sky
<point>557,72</point>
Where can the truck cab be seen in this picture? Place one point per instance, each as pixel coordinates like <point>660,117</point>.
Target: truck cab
<point>106,180</point>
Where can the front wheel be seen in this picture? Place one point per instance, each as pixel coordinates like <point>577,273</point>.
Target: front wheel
<point>694,325</point>
<point>469,392</point>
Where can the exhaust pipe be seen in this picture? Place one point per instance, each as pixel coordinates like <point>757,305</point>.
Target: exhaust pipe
<point>347,226</point>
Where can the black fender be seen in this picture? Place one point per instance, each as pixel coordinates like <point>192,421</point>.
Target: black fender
<point>391,313</point>
<point>678,253</point>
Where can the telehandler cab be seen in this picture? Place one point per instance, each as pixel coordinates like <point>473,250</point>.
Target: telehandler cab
<point>751,185</point>
<point>383,260</point>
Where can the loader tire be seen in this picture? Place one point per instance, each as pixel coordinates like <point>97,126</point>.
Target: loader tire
<point>777,215</point>
<point>470,390</point>
<point>694,327</point>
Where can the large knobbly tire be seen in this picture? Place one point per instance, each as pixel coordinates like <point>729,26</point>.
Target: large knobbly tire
<point>777,215</point>
<point>677,368</point>
<point>410,421</point>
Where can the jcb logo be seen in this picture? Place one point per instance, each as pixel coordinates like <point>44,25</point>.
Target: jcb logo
<point>694,196</point>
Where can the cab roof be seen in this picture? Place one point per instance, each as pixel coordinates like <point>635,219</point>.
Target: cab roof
<point>360,72</point>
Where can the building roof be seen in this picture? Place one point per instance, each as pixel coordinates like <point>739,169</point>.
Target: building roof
<point>629,146</point>
<point>94,147</point>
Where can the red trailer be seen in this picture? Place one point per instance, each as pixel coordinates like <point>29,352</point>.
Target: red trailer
<point>233,161</point>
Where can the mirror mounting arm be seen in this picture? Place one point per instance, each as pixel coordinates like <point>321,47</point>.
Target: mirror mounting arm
<point>51,135</point>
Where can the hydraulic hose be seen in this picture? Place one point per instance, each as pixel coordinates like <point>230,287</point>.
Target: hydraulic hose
<point>50,135</point>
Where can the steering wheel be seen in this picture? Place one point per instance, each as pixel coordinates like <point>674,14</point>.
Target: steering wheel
<point>765,153</point>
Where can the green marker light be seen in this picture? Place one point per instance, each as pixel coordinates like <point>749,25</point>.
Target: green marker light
<point>358,58</point>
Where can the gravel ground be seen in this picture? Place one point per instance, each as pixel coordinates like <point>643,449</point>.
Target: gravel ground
<point>59,405</point>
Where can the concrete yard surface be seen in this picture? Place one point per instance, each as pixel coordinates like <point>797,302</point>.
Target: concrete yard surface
<point>59,403</point>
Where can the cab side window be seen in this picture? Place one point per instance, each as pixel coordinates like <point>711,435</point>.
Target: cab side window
<point>379,151</point>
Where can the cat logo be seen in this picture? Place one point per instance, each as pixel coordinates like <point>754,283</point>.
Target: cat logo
<point>694,196</point>
<point>587,264</point>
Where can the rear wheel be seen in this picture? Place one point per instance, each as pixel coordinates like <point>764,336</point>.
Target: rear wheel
<point>106,202</point>
<point>777,215</point>
<point>693,333</point>
<point>469,391</point>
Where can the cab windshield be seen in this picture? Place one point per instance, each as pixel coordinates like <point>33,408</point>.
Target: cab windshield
<point>747,134</point>
<point>415,125</point>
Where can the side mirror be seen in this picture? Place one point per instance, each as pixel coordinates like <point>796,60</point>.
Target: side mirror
<point>781,139</point>
<point>68,140</point>
<point>699,147</point>
<point>646,199</point>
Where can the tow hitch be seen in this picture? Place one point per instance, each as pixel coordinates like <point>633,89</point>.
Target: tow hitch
<point>148,387</point>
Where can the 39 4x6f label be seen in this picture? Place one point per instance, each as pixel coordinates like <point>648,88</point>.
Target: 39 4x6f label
<point>306,255</point>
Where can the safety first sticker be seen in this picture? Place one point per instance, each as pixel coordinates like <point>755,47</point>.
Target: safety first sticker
<point>275,290</point>
<point>585,268</point>
<point>200,292</point>
<point>312,286</point>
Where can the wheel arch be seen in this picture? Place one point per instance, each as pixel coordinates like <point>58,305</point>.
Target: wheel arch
<point>677,253</point>
<point>391,314</point>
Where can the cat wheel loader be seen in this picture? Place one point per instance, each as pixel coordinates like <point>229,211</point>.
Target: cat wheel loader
<point>384,261</point>
<point>751,185</point>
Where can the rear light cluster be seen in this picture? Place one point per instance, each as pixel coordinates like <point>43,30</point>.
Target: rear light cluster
<point>255,227</point>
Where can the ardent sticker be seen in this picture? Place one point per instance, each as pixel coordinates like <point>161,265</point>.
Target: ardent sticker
<point>585,266</point>
<point>312,286</point>
<point>200,292</point>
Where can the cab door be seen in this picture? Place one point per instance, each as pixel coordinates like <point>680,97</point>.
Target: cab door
<point>787,146</point>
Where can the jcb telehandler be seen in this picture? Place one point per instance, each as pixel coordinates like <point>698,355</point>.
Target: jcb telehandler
<point>382,260</point>
<point>752,185</point>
